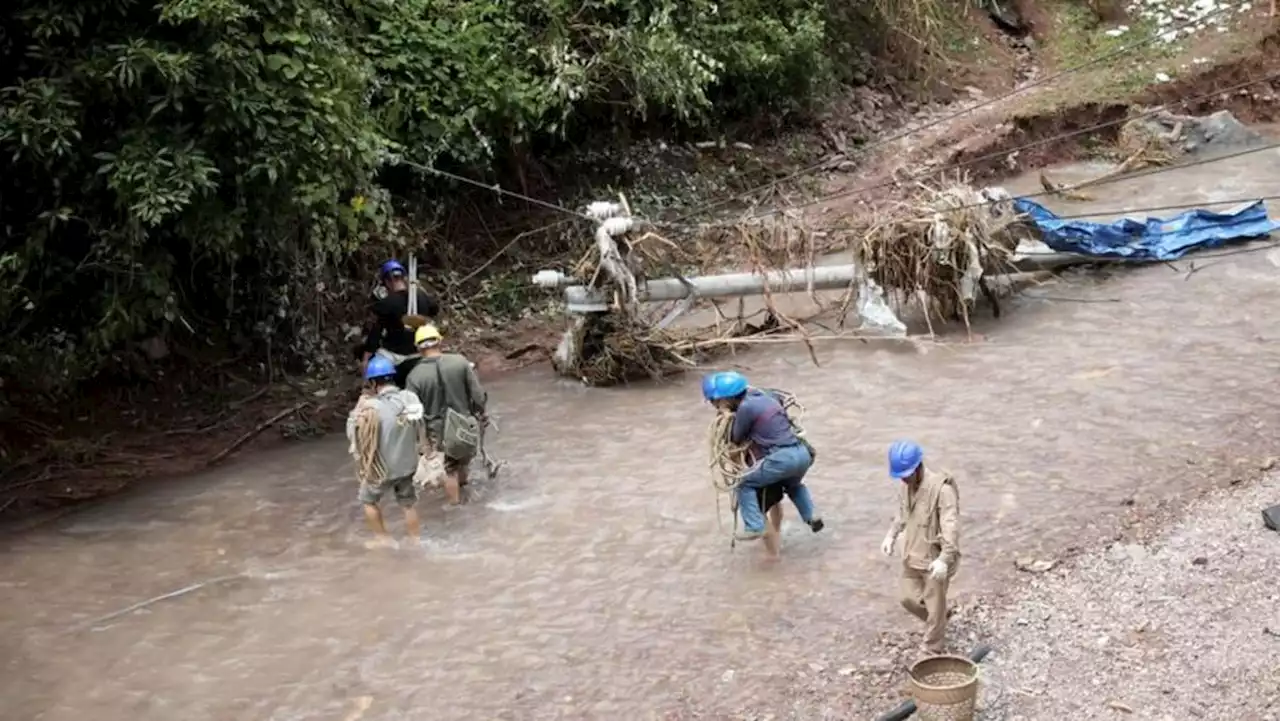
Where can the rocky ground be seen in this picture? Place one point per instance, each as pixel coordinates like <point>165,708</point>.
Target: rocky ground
<point>1185,626</point>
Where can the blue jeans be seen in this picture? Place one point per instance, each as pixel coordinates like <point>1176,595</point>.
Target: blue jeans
<point>786,465</point>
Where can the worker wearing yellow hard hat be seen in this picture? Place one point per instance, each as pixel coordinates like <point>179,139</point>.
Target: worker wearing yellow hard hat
<point>427,336</point>
<point>454,404</point>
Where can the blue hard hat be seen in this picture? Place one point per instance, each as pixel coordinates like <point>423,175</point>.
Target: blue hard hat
<point>389,267</point>
<point>379,367</point>
<point>904,458</point>
<point>709,385</point>
<point>726,384</point>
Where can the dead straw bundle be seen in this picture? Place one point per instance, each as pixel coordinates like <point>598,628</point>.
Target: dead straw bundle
<point>938,246</point>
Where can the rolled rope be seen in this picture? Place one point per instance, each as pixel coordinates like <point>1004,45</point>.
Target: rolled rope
<point>369,468</point>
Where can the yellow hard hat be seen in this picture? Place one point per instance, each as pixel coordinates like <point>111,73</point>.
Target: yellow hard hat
<point>426,334</point>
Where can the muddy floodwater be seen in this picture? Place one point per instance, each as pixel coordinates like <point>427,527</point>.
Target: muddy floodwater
<point>592,581</point>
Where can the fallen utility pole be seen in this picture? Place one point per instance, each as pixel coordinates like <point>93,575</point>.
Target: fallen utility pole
<point>582,299</point>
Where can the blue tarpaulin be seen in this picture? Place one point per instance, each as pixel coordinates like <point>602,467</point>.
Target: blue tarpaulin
<point>1153,239</point>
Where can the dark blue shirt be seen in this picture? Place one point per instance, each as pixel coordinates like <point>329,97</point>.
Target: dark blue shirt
<point>762,420</point>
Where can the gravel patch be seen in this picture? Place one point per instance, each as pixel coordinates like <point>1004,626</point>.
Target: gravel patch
<point>1184,627</point>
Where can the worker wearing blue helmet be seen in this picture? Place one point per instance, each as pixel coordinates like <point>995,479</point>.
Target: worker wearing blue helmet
<point>383,432</point>
<point>928,513</point>
<point>385,331</point>
<point>779,458</point>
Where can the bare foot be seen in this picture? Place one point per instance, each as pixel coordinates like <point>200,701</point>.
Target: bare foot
<point>381,542</point>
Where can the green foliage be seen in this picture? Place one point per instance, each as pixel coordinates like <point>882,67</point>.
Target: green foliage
<point>196,169</point>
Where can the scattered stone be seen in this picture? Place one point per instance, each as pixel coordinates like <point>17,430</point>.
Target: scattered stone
<point>1128,552</point>
<point>1032,565</point>
<point>1271,518</point>
<point>1130,632</point>
<point>880,665</point>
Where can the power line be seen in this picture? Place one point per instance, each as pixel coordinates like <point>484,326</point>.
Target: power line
<point>1141,174</point>
<point>1118,178</point>
<point>1002,153</point>
<point>1173,206</point>
<point>946,118</point>
<point>493,187</point>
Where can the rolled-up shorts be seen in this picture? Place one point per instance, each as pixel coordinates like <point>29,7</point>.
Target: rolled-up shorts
<point>452,466</point>
<point>770,496</point>
<point>405,491</point>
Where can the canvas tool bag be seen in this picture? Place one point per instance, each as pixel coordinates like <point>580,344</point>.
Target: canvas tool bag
<point>460,438</point>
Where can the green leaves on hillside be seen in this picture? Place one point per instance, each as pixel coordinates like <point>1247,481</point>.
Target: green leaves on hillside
<point>194,167</point>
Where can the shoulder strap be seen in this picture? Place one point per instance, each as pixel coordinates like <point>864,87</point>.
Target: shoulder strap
<point>440,384</point>
<point>444,399</point>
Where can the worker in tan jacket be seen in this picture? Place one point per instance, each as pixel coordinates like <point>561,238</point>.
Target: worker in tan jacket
<point>928,518</point>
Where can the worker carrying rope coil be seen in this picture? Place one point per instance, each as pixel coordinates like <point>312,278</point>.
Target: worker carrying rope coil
<point>756,447</point>
<point>383,430</point>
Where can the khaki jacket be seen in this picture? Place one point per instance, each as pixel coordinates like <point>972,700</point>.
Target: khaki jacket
<point>928,519</point>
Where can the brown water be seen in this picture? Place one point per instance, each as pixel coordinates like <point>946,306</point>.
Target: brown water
<point>592,582</point>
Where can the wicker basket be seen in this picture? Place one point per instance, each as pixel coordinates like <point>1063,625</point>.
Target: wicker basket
<point>945,688</point>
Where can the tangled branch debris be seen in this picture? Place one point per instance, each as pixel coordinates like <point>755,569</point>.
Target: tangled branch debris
<point>631,342</point>
<point>938,246</point>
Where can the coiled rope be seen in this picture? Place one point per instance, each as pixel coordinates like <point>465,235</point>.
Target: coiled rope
<point>368,427</point>
<point>369,468</point>
<point>728,460</point>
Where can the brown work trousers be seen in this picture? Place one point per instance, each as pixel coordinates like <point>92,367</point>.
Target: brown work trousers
<point>926,599</point>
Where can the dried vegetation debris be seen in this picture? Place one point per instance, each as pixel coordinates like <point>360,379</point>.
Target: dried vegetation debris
<point>943,242</point>
<point>1184,627</point>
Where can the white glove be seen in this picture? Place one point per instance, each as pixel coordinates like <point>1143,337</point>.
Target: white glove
<point>886,546</point>
<point>938,569</point>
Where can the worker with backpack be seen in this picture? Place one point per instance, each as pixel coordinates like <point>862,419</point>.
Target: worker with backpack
<point>454,403</point>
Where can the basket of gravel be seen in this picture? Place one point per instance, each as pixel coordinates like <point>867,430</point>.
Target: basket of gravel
<point>945,688</point>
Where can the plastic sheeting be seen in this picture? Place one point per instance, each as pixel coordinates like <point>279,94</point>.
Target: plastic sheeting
<point>1154,239</point>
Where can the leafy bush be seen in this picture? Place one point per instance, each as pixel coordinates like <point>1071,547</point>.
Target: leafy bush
<point>201,169</point>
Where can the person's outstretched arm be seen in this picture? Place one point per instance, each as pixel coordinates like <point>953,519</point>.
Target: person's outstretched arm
<point>479,398</point>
